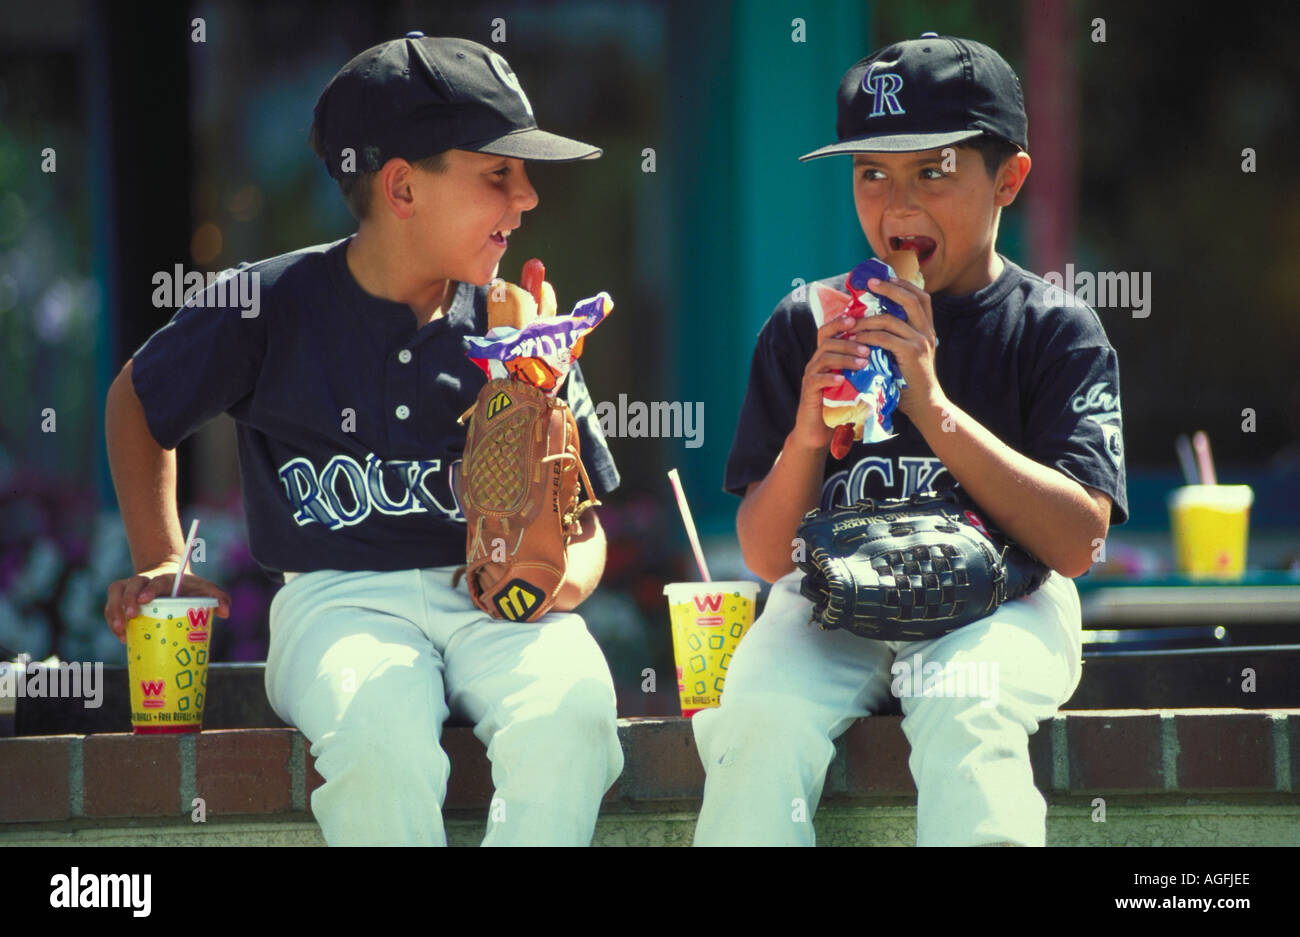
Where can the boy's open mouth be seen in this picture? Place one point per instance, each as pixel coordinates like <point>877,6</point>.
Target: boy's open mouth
<point>499,237</point>
<point>924,246</point>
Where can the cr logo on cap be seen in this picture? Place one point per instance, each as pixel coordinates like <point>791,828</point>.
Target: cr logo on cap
<point>502,68</point>
<point>884,86</point>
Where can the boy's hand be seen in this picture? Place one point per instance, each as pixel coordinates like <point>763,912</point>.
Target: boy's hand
<point>823,371</point>
<point>912,342</point>
<point>127,595</point>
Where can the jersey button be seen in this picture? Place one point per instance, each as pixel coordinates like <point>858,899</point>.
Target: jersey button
<point>403,411</point>
<point>404,356</point>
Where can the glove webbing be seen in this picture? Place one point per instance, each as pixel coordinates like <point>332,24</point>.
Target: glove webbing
<point>916,583</point>
<point>922,579</point>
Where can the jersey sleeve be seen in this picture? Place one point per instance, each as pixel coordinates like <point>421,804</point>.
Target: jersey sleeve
<point>597,458</point>
<point>200,364</point>
<point>1075,425</point>
<point>767,413</point>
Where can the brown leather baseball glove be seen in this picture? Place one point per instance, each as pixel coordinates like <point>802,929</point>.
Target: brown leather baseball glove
<point>519,492</point>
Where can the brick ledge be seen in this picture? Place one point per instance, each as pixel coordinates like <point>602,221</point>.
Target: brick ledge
<point>1160,754</point>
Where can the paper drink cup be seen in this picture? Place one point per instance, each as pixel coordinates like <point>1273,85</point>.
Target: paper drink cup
<point>167,664</point>
<point>708,621</point>
<point>1211,524</point>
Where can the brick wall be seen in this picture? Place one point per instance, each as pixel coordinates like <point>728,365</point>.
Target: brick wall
<point>261,772</point>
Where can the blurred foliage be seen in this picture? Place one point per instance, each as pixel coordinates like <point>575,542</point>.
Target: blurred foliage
<point>58,557</point>
<point>49,305</point>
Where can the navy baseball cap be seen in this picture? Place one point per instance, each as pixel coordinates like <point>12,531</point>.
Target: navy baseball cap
<point>924,93</point>
<point>421,95</point>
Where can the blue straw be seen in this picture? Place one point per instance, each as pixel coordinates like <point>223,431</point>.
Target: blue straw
<point>1186,460</point>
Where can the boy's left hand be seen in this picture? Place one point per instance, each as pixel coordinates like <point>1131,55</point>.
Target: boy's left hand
<point>912,342</point>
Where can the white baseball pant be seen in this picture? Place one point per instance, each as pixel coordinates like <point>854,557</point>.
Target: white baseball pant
<point>976,697</point>
<point>368,665</point>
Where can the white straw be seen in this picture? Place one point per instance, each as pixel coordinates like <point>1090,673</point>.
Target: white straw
<point>690,524</point>
<point>189,545</point>
<point>1201,443</point>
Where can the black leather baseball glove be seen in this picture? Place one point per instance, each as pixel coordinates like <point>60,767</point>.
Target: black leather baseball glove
<point>910,570</point>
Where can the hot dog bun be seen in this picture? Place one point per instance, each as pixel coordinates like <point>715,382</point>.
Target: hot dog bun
<point>906,266</point>
<point>837,412</point>
<point>509,305</point>
<point>548,300</point>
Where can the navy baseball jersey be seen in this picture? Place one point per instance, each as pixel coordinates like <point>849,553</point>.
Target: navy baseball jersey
<point>345,409</point>
<point>1042,378</point>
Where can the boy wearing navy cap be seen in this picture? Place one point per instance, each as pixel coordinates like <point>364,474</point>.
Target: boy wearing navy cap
<point>1008,395</point>
<point>345,384</point>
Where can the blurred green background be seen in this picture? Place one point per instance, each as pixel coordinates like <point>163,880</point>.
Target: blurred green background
<point>173,151</point>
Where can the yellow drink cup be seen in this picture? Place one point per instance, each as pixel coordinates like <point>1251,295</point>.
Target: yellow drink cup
<point>1211,524</point>
<point>708,619</point>
<point>167,664</point>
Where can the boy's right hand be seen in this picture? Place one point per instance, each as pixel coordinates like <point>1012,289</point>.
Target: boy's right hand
<point>823,371</point>
<point>127,595</point>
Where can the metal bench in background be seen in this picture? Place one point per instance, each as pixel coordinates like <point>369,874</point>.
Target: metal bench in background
<point>1173,643</point>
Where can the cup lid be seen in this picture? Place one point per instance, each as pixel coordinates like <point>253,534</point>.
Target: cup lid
<point>1223,497</point>
<point>745,587</point>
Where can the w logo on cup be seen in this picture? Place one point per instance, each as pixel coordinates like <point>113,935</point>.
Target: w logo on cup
<point>199,620</point>
<point>153,693</point>
<point>711,603</point>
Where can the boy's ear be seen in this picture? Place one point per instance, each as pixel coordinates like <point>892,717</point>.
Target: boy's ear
<point>1010,178</point>
<point>393,188</point>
